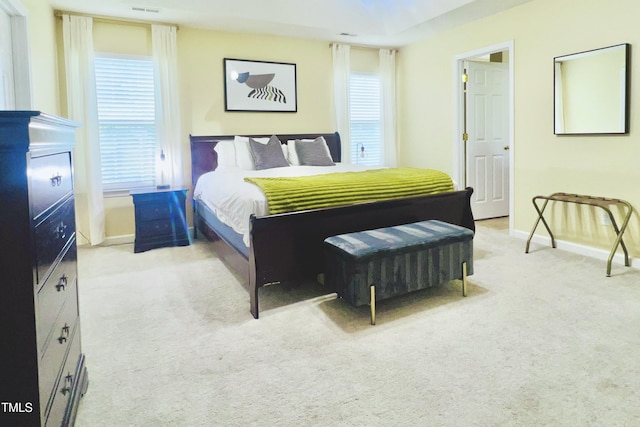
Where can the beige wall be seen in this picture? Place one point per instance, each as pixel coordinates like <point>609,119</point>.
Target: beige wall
<point>42,52</point>
<point>201,56</point>
<point>544,163</point>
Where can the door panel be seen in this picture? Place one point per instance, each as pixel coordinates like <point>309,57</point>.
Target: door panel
<point>480,194</point>
<point>487,126</point>
<point>499,193</point>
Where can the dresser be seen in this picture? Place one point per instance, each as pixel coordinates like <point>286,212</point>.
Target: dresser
<point>160,218</point>
<point>42,368</point>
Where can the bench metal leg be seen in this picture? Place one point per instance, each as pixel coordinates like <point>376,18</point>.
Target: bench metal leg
<point>464,278</point>
<point>373,304</point>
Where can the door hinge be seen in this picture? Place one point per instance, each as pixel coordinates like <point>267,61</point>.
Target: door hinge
<point>465,137</point>
<point>465,77</point>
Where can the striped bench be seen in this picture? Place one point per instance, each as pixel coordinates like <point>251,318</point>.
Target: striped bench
<point>372,265</point>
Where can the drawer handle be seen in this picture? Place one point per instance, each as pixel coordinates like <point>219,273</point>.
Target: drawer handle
<point>64,334</point>
<point>61,231</point>
<point>56,180</point>
<point>62,282</point>
<point>68,385</point>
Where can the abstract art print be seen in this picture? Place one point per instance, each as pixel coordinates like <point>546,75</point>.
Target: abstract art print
<point>259,86</point>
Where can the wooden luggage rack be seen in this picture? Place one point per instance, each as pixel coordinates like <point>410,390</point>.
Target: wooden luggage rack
<point>601,202</point>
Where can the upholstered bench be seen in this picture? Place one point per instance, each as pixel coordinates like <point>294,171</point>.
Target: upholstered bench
<point>371,265</point>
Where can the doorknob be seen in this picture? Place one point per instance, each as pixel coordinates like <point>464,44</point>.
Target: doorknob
<point>506,148</point>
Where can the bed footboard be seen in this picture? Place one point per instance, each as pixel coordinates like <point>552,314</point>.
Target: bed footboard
<point>289,246</point>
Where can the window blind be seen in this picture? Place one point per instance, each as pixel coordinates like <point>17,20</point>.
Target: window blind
<point>126,117</point>
<point>365,119</point>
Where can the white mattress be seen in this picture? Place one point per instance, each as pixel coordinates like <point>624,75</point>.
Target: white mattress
<point>233,200</point>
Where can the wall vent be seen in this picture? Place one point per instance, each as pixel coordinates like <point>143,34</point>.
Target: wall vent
<point>144,9</point>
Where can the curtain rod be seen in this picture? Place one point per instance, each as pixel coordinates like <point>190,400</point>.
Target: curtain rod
<point>110,20</point>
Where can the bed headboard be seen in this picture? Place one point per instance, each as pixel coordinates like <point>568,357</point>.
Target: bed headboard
<point>204,159</point>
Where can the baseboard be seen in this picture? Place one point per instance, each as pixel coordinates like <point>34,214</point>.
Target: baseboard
<point>576,248</point>
<point>126,239</point>
<point>118,240</point>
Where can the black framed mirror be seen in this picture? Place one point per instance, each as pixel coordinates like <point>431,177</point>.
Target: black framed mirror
<point>591,92</point>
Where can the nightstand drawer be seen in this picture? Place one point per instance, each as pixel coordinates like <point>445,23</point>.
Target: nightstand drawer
<point>51,237</point>
<point>51,180</point>
<point>60,285</point>
<point>152,211</point>
<point>160,227</point>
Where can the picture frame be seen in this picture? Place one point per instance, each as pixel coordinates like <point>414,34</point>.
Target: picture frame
<point>259,86</point>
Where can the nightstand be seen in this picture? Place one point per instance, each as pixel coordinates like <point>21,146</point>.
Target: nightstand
<point>160,218</point>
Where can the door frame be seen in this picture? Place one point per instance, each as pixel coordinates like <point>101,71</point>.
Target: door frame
<point>459,161</point>
<point>21,53</point>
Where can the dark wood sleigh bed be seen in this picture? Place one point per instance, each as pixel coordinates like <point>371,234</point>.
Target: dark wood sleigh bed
<point>289,246</point>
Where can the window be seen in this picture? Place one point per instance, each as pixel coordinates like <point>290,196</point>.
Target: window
<point>126,119</point>
<point>365,119</point>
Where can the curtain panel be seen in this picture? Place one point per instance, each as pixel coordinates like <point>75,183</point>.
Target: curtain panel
<point>341,70</point>
<point>388,92</point>
<point>168,126</point>
<point>82,107</point>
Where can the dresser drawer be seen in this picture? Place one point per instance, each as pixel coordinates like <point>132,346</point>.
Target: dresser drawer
<point>151,211</point>
<point>51,180</point>
<point>51,235</point>
<point>60,285</point>
<point>53,355</point>
<point>66,382</point>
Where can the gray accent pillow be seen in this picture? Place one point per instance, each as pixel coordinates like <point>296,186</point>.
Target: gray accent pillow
<point>314,153</point>
<point>269,155</point>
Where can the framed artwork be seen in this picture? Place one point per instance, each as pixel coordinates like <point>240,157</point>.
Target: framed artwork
<point>259,86</point>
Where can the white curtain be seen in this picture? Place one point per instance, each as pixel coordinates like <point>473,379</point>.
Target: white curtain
<point>168,129</point>
<point>388,92</point>
<point>341,67</point>
<point>82,107</point>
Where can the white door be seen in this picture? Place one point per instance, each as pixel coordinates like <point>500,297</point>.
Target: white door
<point>7,94</point>
<point>487,154</point>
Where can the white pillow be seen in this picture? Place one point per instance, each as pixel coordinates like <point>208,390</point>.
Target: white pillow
<point>293,158</point>
<point>244,159</point>
<point>292,155</point>
<point>226,151</point>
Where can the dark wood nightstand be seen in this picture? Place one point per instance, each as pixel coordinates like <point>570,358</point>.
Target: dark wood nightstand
<point>160,218</point>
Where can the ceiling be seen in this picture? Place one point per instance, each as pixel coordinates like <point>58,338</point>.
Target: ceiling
<point>391,23</point>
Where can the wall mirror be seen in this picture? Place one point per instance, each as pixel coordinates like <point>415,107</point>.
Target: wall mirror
<point>591,92</point>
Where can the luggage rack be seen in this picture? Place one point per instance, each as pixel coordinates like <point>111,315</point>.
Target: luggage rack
<point>600,202</point>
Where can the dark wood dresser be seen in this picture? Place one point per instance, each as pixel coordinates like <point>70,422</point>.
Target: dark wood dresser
<point>42,368</point>
<point>160,218</point>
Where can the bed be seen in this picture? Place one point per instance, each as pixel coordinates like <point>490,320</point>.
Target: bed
<point>288,246</point>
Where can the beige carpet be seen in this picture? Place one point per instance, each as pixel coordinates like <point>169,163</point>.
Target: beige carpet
<point>542,339</point>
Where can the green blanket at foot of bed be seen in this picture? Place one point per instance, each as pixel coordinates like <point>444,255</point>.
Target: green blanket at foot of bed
<point>288,194</point>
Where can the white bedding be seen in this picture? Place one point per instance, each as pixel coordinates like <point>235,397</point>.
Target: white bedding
<point>233,200</point>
